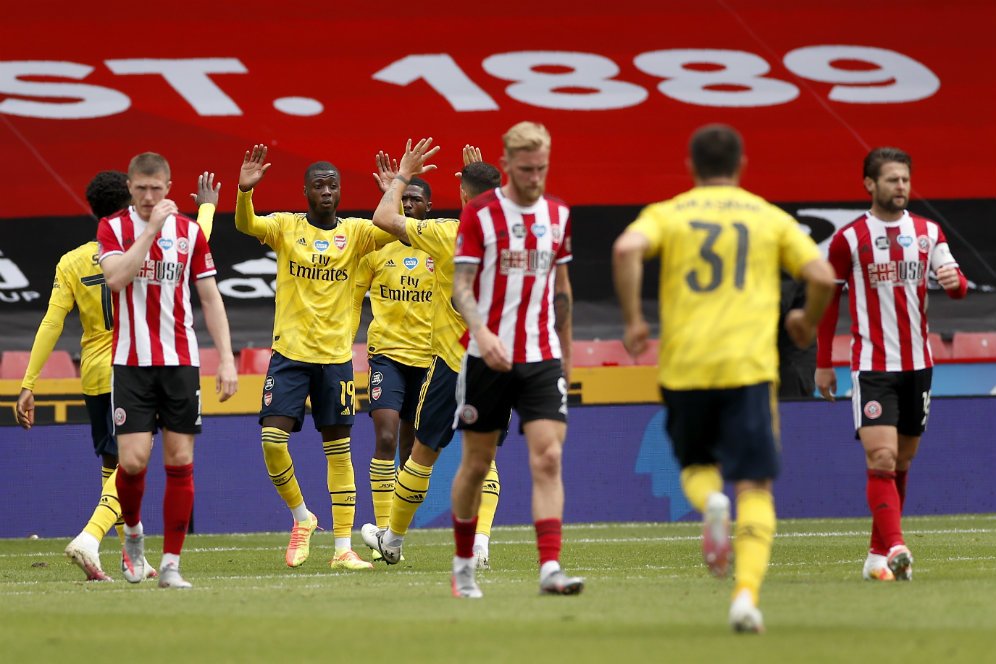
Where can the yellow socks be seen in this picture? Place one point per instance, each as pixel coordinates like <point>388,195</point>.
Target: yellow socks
<point>699,482</point>
<point>755,530</point>
<point>280,466</point>
<point>409,492</point>
<point>108,510</point>
<point>382,489</point>
<point>342,489</point>
<point>489,501</point>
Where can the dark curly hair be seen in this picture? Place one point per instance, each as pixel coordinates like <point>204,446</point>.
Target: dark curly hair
<point>107,193</point>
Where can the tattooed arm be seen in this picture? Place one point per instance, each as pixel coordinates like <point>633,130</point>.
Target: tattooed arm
<point>493,351</point>
<point>563,307</point>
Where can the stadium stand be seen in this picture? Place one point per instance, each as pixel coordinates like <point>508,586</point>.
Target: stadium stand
<point>940,349</point>
<point>209,361</point>
<point>841,349</point>
<point>598,353</point>
<point>973,346</point>
<point>14,362</point>
<point>253,361</point>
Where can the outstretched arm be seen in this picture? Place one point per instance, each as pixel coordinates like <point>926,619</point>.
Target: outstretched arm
<point>206,198</point>
<point>414,162</point>
<point>254,167</point>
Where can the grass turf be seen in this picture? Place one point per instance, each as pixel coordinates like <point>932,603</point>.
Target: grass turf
<point>648,598</point>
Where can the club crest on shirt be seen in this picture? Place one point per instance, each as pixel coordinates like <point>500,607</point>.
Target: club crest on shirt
<point>923,242</point>
<point>322,245</point>
<point>430,264</point>
<point>411,262</point>
<point>539,230</point>
<point>182,247</point>
<point>519,231</point>
<point>557,232</point>
<point>873,410</point>
<point>881,243</point>
<point>120,416</point>
<point>905,240</point>
<point>165,243</point>
<point>340,241</point>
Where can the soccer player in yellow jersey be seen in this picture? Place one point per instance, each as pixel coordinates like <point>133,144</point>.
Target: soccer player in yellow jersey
<point>79,282</point>
<point>317,258</point>
<point>720,249</point>
<point>437,400</point>
<point>401,283</point>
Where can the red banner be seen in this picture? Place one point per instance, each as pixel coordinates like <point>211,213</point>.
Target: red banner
<point>620,85</point>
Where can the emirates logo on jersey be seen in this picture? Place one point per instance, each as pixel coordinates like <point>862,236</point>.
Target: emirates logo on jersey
<point>430,264</point>
<point>340,242</point>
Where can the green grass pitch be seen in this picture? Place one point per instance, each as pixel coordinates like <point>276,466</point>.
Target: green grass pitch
<point>648,599</point>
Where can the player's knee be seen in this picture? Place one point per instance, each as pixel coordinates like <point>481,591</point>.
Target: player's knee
<point>546,461</point>
<point>386,444</point>
<point>132,464</point>
<point>881,458</point>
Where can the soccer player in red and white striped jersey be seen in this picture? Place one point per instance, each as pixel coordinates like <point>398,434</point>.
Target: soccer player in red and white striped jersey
<point>512,288</point>
<point>149,254</point>
<point>884,257</point>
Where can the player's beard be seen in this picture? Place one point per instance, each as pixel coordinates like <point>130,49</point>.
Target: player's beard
<point>890,204</point>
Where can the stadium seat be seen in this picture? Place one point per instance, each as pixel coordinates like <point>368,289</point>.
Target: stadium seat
<point>650,356</point>
<point>609,353</point>
<point>940,349</point>
<point>60,364</point>
<point>841,349</point>
<point>254,361</point>
<point>974,346</point>
<point>209,361</point>
<point>360,364</point>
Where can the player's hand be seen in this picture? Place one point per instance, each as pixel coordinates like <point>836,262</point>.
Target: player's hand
<point>227,380</point>
<point>471,154</point>
<point>207,190</point>
<point>826,383</point>
<point>415,158</point>
<point>387,168</point>
<point>635,337</point>
<point>948,278</point>
<point>24,410</point>
<point>160,213</point>
<point>493,351</point>
<point>800,330</point>
<point>254,167</point>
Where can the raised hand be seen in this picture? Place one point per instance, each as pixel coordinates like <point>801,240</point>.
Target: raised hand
<point>386,170</point>
<point>414,161</point>
<point>471,154</point>
<point>254,167</point>
<point>207,190</point>
<point>160,213</point>
<point>635,336</point>
<point>25,408</point>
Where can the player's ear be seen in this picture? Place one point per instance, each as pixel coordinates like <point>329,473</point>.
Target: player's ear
<point>869,184</point>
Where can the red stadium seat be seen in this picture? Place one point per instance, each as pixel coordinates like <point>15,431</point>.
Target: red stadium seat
<point>254,361</point>
<point>360,365</point>
<point>60,364</point>
<point>841,349</point>
<point>651,355</point>
<point>209,361</point>
<point>940,349</point>
<point>974,346</point>
<point>609,353</point>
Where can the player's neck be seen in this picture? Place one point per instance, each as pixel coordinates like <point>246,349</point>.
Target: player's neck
<point>886,215</point>
<point>326,221</point>
<point>512,194</point>
<point>717,182</point>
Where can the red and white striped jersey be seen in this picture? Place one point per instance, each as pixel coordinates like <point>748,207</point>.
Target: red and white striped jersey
<point>153,318</point>
<point>517,250</point>
<point>885,265</point>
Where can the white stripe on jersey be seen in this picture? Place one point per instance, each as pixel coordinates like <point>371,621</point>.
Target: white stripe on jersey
<point>167,300</point>
<point>860,299</point>
<point>536,299</point>
<point>485,274</point>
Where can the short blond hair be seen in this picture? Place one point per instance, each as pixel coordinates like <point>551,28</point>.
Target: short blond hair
<point>148,163</point>
<point>526,136</point>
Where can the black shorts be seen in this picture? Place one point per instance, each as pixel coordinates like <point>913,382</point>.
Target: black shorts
<point>98,407</point>
<point>485,398</point>
<point>898,399</point>
<point>144,399</point>
<point>288,384</point>
<point>394,386</point>
<point>736,428</point>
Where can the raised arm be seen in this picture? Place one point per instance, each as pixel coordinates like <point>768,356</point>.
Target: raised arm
<point>254,167</point>
<point>414,162</point>
<point>627,275</point>
<point>206,198</point>
<point>493,351</point>
<point>227,381</point>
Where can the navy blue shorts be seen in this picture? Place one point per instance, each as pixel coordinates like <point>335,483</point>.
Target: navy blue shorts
<point>394,386</point>
<point>485,398</point>
<point>898,399</point>
<point>736,428</point>
<point>289,383</point>
<point>98,407</point>
<point>145,399</point>
<point>436,406</point>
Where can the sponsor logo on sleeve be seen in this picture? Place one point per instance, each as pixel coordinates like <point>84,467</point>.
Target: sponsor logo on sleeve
<point>209,261</point>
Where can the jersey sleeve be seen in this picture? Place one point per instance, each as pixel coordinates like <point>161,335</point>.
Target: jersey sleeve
<point>469,239</point>
<point>840,259</point>
<point>107,242</point>
<point>797,248</point>
<point>648,224</point>
<point>839,256</point>
<point>265,229</point>
<point>565,252</point>
<point>434,237</point>
<point>60,304</point>
<point>361,283</point>
<point>201,261</point>
<point>62,289</point>
<point>205,219</point>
